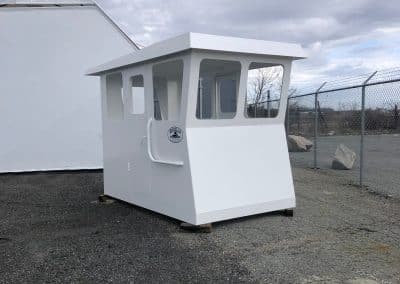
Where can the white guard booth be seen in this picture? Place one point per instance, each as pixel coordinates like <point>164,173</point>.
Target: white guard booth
<point>193,127</point>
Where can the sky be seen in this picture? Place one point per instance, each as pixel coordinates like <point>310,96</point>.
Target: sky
<point>342,38</point>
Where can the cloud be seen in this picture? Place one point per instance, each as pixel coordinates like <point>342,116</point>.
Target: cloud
<point>342,37</point>
<point>361,54</point>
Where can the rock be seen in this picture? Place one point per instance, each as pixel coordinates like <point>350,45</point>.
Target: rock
<point>298,144</point>
<point>344,158</point>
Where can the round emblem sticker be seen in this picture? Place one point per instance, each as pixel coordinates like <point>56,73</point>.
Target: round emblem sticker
<point>175,134</point>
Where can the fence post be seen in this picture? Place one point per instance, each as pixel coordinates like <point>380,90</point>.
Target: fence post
<point>363,126</point>
<point>316,124</point>
<point>287,112</point>
<point>287,117</point>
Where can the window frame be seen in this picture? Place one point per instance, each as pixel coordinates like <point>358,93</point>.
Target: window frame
<point>111,99</point>
<point>245,115</point>
<point>217,102</point>
<point>196,56</point>
<point>153,93</point>
<point>131,100</point>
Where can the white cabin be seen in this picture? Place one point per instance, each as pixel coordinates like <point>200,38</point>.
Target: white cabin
<point>182,135</point>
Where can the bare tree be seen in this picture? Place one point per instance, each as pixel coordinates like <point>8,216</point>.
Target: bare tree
<point>259,86</point>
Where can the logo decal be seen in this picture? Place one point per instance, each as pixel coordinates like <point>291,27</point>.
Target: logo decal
<point>175,134</point>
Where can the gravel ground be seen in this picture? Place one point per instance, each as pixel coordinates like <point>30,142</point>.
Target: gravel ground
<point>53,230</point>
<point>382,160</point>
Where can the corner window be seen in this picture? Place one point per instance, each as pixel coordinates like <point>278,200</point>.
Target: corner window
<point>114,96</point>
<point>218,89</point>
<point>167,90</point>
<point>136,104</point>
<point>264,87</point>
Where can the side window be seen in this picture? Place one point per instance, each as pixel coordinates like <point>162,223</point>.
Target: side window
<point>264,87</point>
<point>218,89</point>
<point>167,90</point>
<point>137,104</point>
<point>114,97</point>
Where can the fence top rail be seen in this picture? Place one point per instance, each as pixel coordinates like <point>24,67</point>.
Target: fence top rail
<point>379,77</point>
<point>346,88</point>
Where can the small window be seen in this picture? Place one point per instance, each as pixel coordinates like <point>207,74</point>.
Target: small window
<point>137,95</point>
<point>264,87</point>
<point>114,96</point>
<point>218,89</point>
<point>167,90</point>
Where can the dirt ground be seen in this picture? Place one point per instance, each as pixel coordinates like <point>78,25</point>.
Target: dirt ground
<point>52,229</point>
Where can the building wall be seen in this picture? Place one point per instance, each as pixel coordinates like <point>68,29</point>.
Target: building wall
<point>50,113</point>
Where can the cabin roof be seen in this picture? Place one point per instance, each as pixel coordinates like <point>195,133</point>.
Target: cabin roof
<point>203,42</point>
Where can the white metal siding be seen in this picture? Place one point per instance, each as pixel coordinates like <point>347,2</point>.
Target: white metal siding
<point>50,114</point>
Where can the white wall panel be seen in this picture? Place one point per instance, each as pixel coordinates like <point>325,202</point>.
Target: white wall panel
<point>50,113</point>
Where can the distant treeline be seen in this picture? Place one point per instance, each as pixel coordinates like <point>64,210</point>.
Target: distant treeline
<point>342,121</point>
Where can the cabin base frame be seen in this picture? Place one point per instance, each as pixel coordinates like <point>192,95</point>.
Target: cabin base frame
<point>243,211</point>
<point>203,218</point>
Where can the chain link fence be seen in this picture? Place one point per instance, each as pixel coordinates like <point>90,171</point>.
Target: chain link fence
<point>360,112</point>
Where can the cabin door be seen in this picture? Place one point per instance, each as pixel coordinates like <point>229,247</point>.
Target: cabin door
<point>165,129</point>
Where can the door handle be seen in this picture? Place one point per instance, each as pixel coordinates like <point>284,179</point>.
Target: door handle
<point>150,152</point>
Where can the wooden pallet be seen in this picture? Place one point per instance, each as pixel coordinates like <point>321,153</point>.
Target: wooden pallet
<point>205,228</point>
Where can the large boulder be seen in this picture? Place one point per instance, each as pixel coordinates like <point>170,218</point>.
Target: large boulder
<point>298,144</point>
<point>344,158</point>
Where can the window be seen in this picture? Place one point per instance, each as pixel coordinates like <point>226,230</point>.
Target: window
<point>167,90</point>
<point>264,87</point>
<point>137,95</point>
<point>218,89</point>
<point>114,96</point>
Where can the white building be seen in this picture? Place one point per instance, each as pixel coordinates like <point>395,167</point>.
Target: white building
<point>50,113</point>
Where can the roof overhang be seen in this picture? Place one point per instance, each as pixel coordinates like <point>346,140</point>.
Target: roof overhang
<point>203,42</point>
